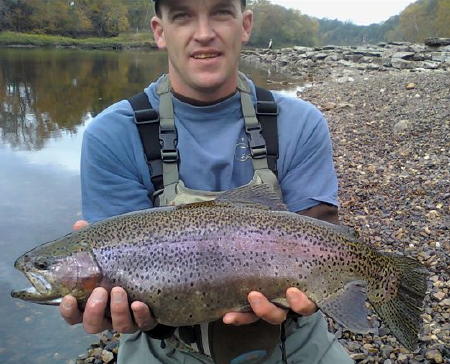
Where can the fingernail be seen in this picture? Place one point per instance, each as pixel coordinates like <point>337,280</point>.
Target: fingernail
<point>66,305</point>
<point>117,297</point>
<point>227,320</point>
<point>97,296</point>
<point>255,298</point>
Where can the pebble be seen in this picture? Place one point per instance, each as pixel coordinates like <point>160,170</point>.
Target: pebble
<point>435,356</point>
<point>107,356</point>
<point>401,126</point>
<point>358,356</point>
<point>439,296</point>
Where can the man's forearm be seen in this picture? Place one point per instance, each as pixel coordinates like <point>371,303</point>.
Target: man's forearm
<point>322,212</point>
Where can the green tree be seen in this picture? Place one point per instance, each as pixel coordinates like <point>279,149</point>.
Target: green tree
<point>139,14</point>
<point>422,19</point>
<point>286,27</point>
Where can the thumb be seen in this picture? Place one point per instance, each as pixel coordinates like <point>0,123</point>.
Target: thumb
<point>80,224</point>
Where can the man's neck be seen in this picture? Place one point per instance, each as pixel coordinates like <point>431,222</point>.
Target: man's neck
<point>195,102</point>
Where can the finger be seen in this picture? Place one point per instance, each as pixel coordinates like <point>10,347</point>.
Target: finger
<point>80,224</point>
<point>299,302</point>
<point>69,310</point>
<point>94,313</point>
<point>142,316</point>
<point>120,311</point>
<point>265,309</point>
<point>239,318</point>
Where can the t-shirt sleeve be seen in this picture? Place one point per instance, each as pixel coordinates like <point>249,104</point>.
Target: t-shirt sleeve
<point>110,183</point>
<point>309,176</point>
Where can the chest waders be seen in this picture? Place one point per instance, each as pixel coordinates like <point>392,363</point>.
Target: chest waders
<point>224,343</point>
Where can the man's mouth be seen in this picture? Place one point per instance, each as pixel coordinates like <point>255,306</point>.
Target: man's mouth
<point>205,55</point>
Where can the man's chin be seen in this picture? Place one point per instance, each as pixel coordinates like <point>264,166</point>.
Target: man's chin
<point>211,82</point>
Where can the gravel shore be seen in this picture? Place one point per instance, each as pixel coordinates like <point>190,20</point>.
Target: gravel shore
<point>391,137</point>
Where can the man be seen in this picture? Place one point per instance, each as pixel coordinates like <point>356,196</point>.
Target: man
<point>203,39</point>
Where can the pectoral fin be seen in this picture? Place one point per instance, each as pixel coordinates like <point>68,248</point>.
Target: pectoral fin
<point>348,308</point>
<point>280,302</point>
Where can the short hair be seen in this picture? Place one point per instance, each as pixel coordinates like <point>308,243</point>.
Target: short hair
<point>158,10</point>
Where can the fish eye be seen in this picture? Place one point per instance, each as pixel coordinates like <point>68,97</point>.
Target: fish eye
<point>41,264</point>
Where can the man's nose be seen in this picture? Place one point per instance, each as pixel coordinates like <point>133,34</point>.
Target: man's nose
<point>204,31</point>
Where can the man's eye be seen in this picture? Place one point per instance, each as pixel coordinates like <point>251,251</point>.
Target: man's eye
<point>180,16</point>
<point>224,12</point>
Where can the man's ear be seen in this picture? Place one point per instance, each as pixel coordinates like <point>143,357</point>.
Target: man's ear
<point>158,32</point>
<point>247,25</point>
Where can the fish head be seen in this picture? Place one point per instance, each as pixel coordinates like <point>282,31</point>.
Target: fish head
<point>57,268</point>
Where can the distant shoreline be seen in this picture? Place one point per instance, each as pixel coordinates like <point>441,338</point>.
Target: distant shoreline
<point>125,41</point>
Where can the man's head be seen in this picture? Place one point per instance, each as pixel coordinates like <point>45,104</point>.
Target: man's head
<point>203,39</point>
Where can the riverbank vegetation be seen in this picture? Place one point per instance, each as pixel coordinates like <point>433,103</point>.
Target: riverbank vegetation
<point>125,40</point>
<point>85,21</point>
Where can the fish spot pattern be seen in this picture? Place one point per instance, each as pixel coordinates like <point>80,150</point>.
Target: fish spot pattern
<point>220,253</point>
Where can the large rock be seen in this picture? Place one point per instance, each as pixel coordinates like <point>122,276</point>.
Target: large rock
<point>437,42</point>
<point>404,55</point>
<point>440,56</point>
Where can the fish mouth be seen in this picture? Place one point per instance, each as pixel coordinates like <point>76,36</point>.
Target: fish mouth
<point>41,290</point>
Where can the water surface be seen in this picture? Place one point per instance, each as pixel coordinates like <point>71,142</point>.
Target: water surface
<point>47,98</point>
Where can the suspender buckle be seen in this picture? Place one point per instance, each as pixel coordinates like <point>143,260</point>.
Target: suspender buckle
<point>169,156</point>
<point>269,108</point>
<point>146,116</point>
<point>168,140</point>
<point>257,143</point>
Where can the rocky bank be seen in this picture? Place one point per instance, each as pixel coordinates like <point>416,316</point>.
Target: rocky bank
<point>388,108</point>
<point>391,138</point>
<point>334,61</point>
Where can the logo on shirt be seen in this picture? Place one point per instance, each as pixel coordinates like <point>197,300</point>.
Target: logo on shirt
<point>242,153</point>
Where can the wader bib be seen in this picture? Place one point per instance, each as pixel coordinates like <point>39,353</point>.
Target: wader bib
<point>216,342</point>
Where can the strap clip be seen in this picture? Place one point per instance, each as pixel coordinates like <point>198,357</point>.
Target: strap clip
<point>168,140</point>
<point>256,142</point>
<point>146,116</point>
<point>268,108</point>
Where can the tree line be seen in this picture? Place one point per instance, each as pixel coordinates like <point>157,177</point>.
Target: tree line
<point>76,18</point>
<point>286,27</point>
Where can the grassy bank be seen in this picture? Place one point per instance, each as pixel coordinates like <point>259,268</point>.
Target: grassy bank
<point>123,41</point>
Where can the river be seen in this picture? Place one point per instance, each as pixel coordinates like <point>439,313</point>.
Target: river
<point>47,98</point>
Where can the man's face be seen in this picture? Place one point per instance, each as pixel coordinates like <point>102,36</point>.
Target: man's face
<point>203,40</point>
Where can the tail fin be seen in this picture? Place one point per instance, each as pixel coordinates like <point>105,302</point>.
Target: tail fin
<point>402,313</point>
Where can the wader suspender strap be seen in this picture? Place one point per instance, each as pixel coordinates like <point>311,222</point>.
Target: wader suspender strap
<point>267,112</point>
<point>168,138</point>
<point>147,122</point>
<point>159,137</point>
<point>260,126</point>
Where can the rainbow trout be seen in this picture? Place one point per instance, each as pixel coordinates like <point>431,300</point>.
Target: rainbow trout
<point>194,263</point>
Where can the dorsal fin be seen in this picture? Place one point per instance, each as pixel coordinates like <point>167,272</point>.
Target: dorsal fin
<point>259,196</point>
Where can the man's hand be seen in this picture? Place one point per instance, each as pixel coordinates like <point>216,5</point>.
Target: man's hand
<point>93,318</point>
<point>264,309</point>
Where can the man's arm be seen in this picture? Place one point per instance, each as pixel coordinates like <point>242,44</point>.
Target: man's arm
<point>322,211</point>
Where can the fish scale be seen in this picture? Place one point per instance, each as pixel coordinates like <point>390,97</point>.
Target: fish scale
<point>194,263</point>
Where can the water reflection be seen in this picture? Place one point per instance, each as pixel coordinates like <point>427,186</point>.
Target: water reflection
<point>45,93</point>
<point>47,98</point>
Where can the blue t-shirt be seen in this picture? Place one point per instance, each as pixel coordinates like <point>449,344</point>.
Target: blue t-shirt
<point>214,155</point>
